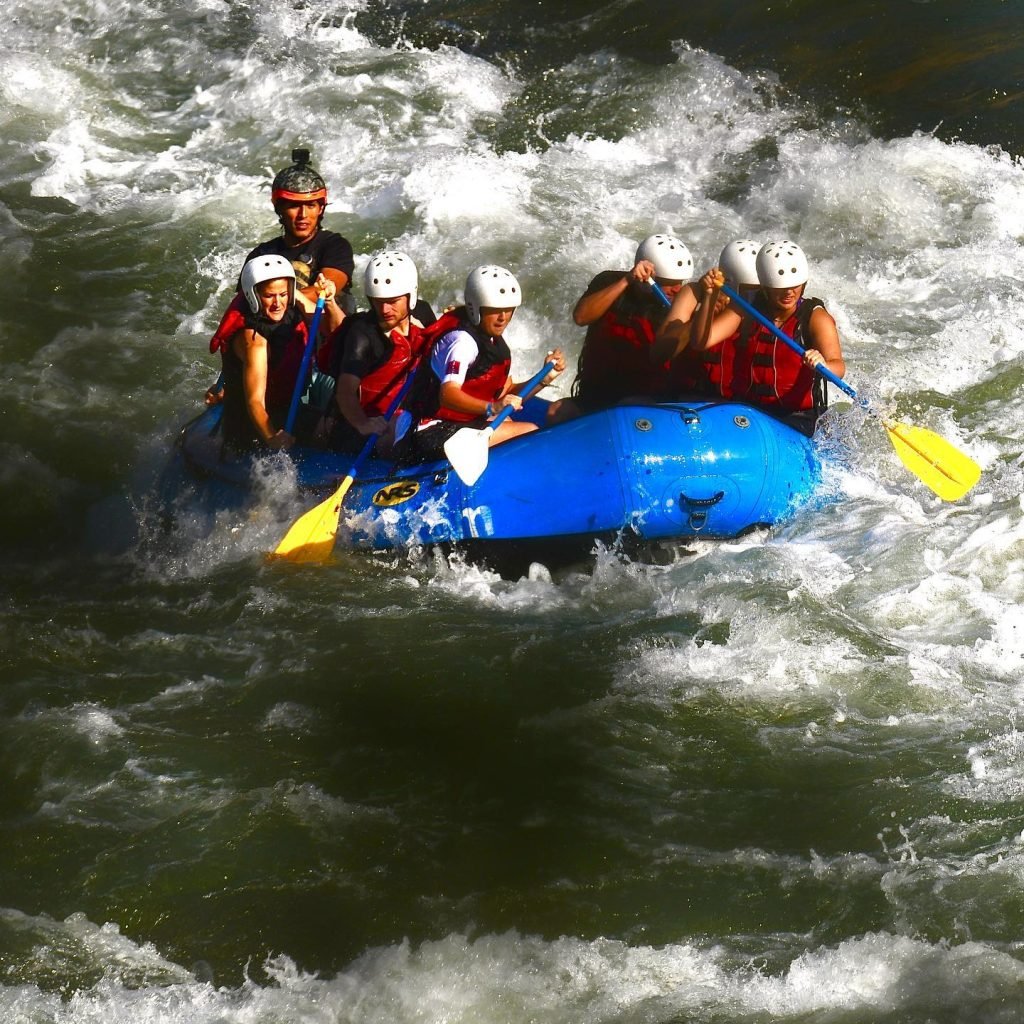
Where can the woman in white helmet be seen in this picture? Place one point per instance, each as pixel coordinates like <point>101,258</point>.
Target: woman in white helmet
<point>755,365</point>
<point>261,359</point>
<point>470,379</point>
<point>375,351</point>
<point>622,313</point>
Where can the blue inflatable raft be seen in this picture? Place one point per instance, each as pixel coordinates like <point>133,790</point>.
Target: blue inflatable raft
<point>632,474</point>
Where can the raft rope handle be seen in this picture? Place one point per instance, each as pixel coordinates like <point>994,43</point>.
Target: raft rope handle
<point>699,508</point>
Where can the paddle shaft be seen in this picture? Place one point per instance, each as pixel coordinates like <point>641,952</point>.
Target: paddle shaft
<point>660,292</point>
<point>532,383</point>
<point>307,358</point>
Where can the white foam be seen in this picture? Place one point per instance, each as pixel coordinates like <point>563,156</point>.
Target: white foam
<point>29,85</point>
<point>517,978</point>
<point>762,656</point>
<point>884,974</point>
<point>994,772</point>
<point>76,943</point>
<point>97,724</point>
<point>291,717</point>
<point>474,193</point>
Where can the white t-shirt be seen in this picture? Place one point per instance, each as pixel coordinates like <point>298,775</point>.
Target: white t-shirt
<point>453,355</point>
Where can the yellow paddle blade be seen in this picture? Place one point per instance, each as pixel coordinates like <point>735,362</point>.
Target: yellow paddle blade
<point>311,537</point>
<point>934,461</point>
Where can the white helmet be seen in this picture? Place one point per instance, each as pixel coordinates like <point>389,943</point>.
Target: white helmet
<point>261,269</point>
<point>671,259</point>
<point>390,274</point>
<point>493,287</point>
<point>781,265</point>
<point>739,263</point>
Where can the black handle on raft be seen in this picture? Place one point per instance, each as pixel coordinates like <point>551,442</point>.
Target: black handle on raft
<point>699,508</point>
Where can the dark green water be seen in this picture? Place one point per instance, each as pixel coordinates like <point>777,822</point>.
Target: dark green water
<point>771,780</point>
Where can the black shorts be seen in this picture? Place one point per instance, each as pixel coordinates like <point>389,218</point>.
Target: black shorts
<point>427,445</point>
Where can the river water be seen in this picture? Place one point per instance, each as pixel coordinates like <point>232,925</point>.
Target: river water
<point>778,779</point>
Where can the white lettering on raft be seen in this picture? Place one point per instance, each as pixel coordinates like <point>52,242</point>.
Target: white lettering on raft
<point>477,517</point>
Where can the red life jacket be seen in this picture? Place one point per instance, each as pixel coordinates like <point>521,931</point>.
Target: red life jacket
<point>282,374</point>
<point>718,366</point>
<point>615,362</point>
<point>446,322</point>
<point>324,353</point>
<point>688,374</point>
<point>378,389</point>
<point>231,323</point>
<point>755,366</point>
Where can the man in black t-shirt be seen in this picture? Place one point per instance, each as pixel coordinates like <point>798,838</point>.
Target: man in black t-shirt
<point>375,352</point>
<point>299,195</point>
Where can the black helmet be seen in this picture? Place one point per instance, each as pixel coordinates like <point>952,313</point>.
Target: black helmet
<point>299,181</point>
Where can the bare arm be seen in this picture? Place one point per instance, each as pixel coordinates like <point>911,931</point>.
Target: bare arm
<point>333,313</point>
<point>251,348</point>
<point>593,305</point>
<point>825,346</point>
<point>674,333</point>
<point>346,396</point>
<point>337,277</point>
<point>709,329</point>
